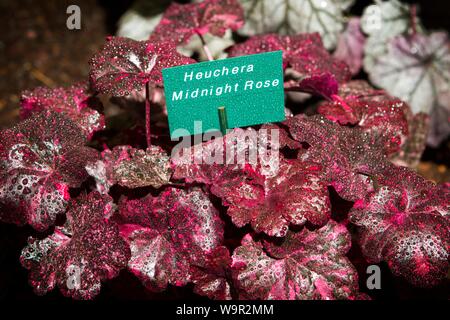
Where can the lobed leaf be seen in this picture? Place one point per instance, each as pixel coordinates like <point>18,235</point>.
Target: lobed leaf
<point>74,102</point>
<point>385,118</point>
<point>304,53</point>
<point>269,195</point>
<point>405,222</point>
<point>308,265</point>
<point>130,167</point>
<point>353,158</point>
<point>168,234</point>
<point>40,159</point>
<point>124,66</point>
<point>182,21</point>
<point>416,69</point>
<point>80,255</point>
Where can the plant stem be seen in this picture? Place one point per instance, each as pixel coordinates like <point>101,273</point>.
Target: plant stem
<point>205,48</point>
<point>147,114</point>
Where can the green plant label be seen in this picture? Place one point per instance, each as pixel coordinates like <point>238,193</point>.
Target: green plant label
<point>249,87</point>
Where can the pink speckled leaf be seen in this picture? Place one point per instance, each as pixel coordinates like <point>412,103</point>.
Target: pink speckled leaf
<point>350,47</point>
<point>304,53</point>
<point>349,156</point>
<point>124,66</point>
<point>269,195</point>
<point>306,265</point>
<point>405,222</point>
<point>293,196</point>
<point>73,102</point>
<point>387,119</point>
<point>130,167</point>
<point>284,139</point>
<point>204,163</point>
<point>181,21</point>
<point>40,159</point>
<point>80,255</point>
<point>169,233</point>
<point>411,151</point>
<point>212,278</point>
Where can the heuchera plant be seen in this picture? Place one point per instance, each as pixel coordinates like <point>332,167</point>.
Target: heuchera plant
<point>232,230</point>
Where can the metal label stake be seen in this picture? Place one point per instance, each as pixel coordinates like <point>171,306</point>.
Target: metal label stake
<point>223,120</point>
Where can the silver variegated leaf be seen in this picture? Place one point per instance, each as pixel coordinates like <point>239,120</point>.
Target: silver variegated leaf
<point>295,16</point>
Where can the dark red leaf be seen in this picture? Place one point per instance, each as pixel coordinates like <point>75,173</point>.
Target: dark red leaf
<point>73,102</point>
<point>80,255</point>
<point>304,53</point>
<point>405,222</point>
<point>306,265</point>
<point>181,21</point>
<point>324,85</point>
<point>169,233</point>
<point>124,65</point>
<point>40,159</point>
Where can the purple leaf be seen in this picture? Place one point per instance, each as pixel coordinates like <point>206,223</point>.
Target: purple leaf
<point>384,120</point>
<point>294,196</point>
<point>40,159</point>
<point>350,47</point>
<point>78,257</point>
<point>387,119</point>
<point>417,69</point>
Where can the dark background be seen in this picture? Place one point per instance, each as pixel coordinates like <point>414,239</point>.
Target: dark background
<point>36,49</point>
